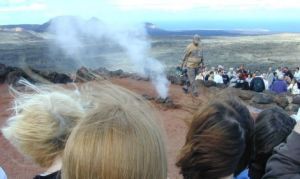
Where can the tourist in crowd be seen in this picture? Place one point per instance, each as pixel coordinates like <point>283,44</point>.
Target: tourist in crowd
<point>231,73</point>
<point>279,71</point>
<point>279,85</point>
<point>218,77</point>
<point>225,77</point>
<point>297,74</point>
<point>293,87</point>
<point>264,77</point>
<point>216,143</point>
<point>270,77</point>
<point>285,160</point>
<point>41,125</point>
<point>209,76</point>
<point>257,83</point>
<point>118,139</point>
<point>243,72</point>
<point>241,82</point>
<point>287,73</point>
<point>272,127</point>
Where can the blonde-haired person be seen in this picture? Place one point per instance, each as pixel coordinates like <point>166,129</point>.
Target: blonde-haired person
<point>41,125</point>
<point>119,139</point>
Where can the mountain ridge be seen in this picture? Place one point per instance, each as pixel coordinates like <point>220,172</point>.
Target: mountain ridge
<point>151,29</point>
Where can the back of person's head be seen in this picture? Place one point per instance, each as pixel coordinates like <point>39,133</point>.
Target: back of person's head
<point>42,123</point>
<point>119,138</point>
<point>280,76</point>
<point>247,123</point>
<point>214,144</point>
<point>272,127</point>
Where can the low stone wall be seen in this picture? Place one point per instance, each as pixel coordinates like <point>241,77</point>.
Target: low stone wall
<point>262,100</point>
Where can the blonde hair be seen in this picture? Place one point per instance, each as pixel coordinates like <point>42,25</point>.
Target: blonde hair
<point>119,138</point>
<point>42,123</point>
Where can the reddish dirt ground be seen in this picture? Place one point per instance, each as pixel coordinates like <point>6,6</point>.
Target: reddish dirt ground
<point>174,123</point>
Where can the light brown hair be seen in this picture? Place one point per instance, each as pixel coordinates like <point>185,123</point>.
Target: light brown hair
<point>119,138</point>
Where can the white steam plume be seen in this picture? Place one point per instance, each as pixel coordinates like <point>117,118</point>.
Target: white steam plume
<point>71,34</point>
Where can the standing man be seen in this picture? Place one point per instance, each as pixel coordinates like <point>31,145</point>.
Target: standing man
<point>192,60</point>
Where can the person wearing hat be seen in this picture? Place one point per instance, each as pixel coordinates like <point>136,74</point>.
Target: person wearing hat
<point>192,60</point>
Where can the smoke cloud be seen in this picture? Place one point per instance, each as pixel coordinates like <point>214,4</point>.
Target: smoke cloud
<point>72,34</point>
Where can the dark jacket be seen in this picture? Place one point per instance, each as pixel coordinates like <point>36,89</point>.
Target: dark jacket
<point>55,175</point>
<point>285,162</point>
<point>257,84</point>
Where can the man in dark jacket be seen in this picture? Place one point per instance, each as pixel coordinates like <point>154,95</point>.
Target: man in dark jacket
<point>288,73</point>
<point>257,83</point>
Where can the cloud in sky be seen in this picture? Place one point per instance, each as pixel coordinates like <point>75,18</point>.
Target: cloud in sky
<point>23,7</point>
<point>183,5</point>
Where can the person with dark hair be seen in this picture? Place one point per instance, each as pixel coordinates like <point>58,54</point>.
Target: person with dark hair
<point>209,76</point>
<point>257,84</point>
<point>216,142</point>
<point>272,126</point>
<point>297,74</point>
<point>285,160</point>
<point>247,123</point>
<point>288,73</point>
<point>225,77</point>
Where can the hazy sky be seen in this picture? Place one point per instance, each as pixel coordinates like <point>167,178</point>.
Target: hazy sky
<point>280,15</point>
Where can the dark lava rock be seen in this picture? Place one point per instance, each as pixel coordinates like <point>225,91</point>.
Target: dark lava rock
<point>261,98</point>
<point>148,97</point>
<point>177,80</point>
<point>281,101</point>
<point>221,86</point>
<point>210,83</point>
<point>139,78</point>
<point>83,74</point>
<point>292,108</point>
<point>116,73</point>
<point>55,77</point>
<point>262,106</point>
<point>167,102</point>
<point>3,73</point>
<point>296,100</point>
<point>101,71</point>
<point>245,94</point>
<point>14,76</point>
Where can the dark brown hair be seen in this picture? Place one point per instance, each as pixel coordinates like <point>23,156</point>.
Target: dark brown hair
<point>214,144</point>
<point>247,123</point>
<point>272,127</point>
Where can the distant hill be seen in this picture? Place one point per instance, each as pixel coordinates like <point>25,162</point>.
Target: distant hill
<point>151,29</point>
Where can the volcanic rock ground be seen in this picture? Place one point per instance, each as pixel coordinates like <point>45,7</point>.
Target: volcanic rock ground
<point>174,121</point>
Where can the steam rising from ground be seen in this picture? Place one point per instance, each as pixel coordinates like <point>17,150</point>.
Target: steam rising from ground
<point>72,33</point>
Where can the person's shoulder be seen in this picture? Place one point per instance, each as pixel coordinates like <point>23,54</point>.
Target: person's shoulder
<point>55,175</point>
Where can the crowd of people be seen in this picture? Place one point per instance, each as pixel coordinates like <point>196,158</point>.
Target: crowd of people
<point>101,130</point>
<point>193,68</point>
<point>281,80</point>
